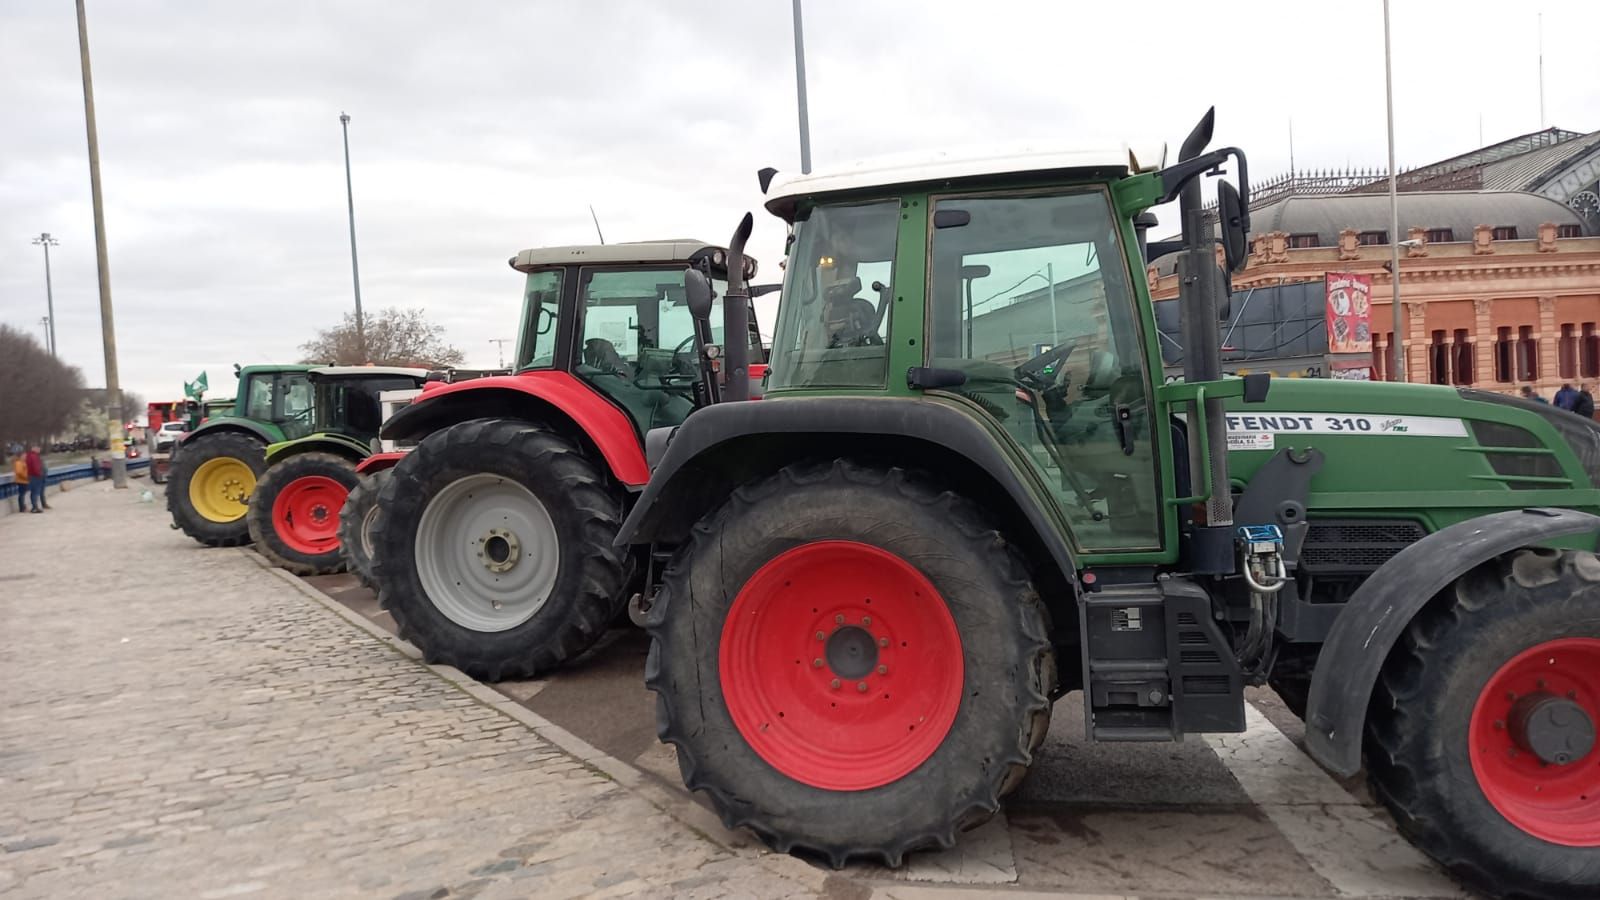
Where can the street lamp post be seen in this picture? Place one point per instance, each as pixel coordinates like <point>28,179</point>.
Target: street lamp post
<point>1397,320</point>
<point>800,90</point>
<point>108,330</point>
<point>355,271</point>
<point>46,241</point>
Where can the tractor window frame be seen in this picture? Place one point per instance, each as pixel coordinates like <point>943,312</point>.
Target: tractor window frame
<point>1136,335</point>
<point>560,331</point>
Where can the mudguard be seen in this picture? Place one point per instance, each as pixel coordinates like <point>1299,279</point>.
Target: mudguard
<point>509,396</point>
<point>326,442</point>
<point>377,462</point>
<point>721,447</point>
<point>265,434</point>
<point>1379,611</point>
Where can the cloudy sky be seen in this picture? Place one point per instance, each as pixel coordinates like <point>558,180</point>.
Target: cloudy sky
<point>482,128</point>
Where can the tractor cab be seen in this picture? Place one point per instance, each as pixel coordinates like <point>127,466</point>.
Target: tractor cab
<point>347,400</point>
<point>617,316</point>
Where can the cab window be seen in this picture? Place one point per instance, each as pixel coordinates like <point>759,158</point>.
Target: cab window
<point>536,343</point>
<point>834,315</point>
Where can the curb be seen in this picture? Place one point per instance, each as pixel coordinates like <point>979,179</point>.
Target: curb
<point>682,809</point>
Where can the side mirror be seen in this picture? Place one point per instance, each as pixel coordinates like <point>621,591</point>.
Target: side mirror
<point>974,272</point>
<point>1233,224</point>
<point>697,293</point>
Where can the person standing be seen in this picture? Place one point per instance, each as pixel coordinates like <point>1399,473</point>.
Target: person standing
<point>1529,394</point>
<point>1566,397</point>
<point>1584,404</point>
<point>19,477</point>
<point>36,479</point>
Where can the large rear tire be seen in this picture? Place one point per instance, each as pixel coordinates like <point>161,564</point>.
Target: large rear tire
<point>355,525</point>
<point>1481,735</point>
<point>294,513</point>
<point>851,662</point>
<point>495,549</point>
<point>210,487</point>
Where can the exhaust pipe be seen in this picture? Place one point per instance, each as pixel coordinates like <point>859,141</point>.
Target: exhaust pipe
<point>736,317</point>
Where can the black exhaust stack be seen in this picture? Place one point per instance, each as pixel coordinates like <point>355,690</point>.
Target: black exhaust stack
<point>736,317</point>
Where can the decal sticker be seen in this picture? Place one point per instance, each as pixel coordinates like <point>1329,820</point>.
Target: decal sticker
<point>1342,423</point>
<point>1250,440</point>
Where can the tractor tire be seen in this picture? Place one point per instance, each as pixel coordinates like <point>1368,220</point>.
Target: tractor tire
<point>294,514</point>
<point>495,549</point>
<point>355,525</point>
<point>209,487</point>
<point>851,662</point>
<point>1481,734</point>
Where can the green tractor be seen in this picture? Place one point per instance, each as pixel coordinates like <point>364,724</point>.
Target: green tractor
<point>967,492</point>
<point>332,411</point>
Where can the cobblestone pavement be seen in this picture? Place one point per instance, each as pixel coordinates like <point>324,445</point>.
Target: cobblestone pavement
<point>182,722</point>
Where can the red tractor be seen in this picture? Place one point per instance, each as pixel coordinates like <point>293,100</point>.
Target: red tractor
<point>494,550</point>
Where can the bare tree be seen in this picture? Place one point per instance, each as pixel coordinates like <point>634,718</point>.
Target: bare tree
<point>395,337</point>
<point>39,394</point>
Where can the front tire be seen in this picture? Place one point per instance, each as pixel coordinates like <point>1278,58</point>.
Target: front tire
<point>851,662</point>
<point>495,549</point>
<point>210,486</point>
<point>1481,735</point>
<point>294,514</point>
<point>356,519</point>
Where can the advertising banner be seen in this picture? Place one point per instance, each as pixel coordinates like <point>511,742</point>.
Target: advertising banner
<point>1349,311</point>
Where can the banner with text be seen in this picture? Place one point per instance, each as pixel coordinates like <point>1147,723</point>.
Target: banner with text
<point>1349,311</point>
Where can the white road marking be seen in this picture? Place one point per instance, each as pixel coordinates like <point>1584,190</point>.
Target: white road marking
<point>1355,848</point>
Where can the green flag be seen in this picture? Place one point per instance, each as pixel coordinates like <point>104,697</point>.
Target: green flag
<point>195,388</point>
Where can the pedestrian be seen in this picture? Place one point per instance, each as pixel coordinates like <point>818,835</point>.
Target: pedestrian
<point>1567,396</point>
<point>36,479</point>
<point>1528,394</point>
<point>1584,404</point>
<point>19,477</point>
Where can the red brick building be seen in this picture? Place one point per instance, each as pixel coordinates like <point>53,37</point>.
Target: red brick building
<point>1500,259</point>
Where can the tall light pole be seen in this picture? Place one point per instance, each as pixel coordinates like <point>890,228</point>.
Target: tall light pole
<point>1396,317</point>
<point>108,330</point>
<point>355,271</point>
<point>501,342</point>
<point>46,241</point>
<point>800,90</point>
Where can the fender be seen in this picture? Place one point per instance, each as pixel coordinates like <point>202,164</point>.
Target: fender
<point>500,396</point>
<point>1379,611</point>
<point>377,462</point>
<point>326,442</point>
<point>723,446</point>
<point>265,434</point>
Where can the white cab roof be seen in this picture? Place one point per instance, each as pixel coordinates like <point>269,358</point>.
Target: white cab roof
<point>638,252</point>
<point>369,371</point>
<point>940,165</point>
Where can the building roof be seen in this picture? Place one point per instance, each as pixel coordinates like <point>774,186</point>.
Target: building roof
<point>1532,169</point>
<point>941,165</point>
<point>1460,211</point>
<point>672,250</point>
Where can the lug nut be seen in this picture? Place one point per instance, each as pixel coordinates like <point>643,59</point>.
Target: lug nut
<point>839,619</point>
<point>861,687</point>
<point>821,636</point>
<point>834,684</point>
<point>883,670</point>
<point>883,642</point>
<point>866,620</point>
<point>816,663</point>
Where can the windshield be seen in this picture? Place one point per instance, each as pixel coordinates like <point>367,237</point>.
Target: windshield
<point>834,314</point>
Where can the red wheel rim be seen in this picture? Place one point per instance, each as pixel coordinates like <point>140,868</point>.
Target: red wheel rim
<point>1528,717</point>
<point>306,514</point>
<point>841,665</point>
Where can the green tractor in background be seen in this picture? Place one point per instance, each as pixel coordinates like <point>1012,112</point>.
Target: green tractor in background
<point>330,411</point>
<point>967,493</point>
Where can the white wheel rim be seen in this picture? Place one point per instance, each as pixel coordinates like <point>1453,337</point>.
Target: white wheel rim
<point>487,553</point>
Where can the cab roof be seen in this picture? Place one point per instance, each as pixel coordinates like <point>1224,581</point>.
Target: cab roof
<point>369,372</point>
<point>941,165</point>
<point>674,250</point>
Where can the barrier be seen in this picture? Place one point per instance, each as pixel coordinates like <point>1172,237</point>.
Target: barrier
<point>75,472</point>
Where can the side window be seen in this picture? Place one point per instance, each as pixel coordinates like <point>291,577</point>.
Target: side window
<point>1029,296</point>
<point>295,404</point>
<point>536,344</point>
<point>257,397</point>
<point>635,344</point>
<point>837,292</point>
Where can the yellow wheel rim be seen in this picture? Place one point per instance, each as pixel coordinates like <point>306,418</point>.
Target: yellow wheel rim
<point>220,489</point>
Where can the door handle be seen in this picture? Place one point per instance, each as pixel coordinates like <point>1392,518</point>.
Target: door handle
<point>1123,418</point>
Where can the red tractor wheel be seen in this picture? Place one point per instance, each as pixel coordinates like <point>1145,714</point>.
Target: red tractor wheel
<point>1482,737</point>
<point>294,513</point>
<point>850,662</point>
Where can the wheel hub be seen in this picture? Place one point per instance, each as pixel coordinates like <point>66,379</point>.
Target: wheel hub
<point>499,549</point>
<point>1555,729</point>
<point>851,652</point>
